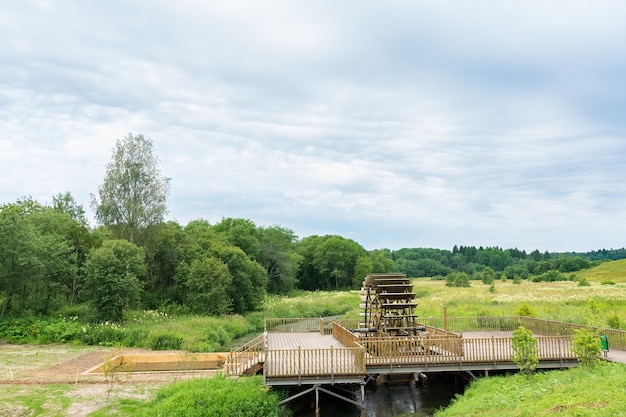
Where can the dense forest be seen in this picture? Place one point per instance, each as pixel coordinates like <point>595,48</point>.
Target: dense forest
<point>52,258</point>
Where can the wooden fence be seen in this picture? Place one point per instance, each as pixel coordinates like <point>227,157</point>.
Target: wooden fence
<point>421,351</point>
<point>617,338</point>
<point>315,362</point>
<point>343,335</point>
<point>298,325</point>
<point>246,356</point>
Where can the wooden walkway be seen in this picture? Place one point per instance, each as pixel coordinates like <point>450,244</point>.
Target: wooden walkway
<point>314,351</point>
<point>311,358</point>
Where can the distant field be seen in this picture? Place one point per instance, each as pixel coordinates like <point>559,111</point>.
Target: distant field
<point>561,301</point>
<point>608,271</point>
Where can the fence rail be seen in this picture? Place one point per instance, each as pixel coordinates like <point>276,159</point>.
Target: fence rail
<point>315,362</point>
<point>298,325</point>
<point>617,338</point>
<point>343,335</point>
<point>426,350</point>
<point>244,357</point>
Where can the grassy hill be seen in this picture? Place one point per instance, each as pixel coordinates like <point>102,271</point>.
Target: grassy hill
<point>607,271</point>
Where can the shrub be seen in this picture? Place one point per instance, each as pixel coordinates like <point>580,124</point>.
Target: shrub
<point>63,331</point>
<point>614,321</point>
<point>586,345</point>
<point>525,350</point>
<point>551,276</point>
<point>525,310</point>
<point>458,279</point>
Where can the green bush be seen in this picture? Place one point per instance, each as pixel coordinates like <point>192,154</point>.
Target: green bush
<point>586,345</point>
<point>59,331</point>
<point>525,350</point>
<point>614,321</point>
<point>217,396</point>
<point>458,279</point>
<point>525,310</point>
<point>551,276</point>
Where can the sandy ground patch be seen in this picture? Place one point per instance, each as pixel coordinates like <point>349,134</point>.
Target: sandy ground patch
<point>37,370</point>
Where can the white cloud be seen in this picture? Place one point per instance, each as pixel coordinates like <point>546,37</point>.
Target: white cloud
<point>395,124</point>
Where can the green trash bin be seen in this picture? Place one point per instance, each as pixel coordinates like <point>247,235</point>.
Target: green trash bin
<point>604,344</point>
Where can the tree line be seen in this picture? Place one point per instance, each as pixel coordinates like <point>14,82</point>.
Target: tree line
<point>51,258</point>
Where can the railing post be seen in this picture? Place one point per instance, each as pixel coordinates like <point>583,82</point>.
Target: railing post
<point>299,362</point>
<point>322,326</point>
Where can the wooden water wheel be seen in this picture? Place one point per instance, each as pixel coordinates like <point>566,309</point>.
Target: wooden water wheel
<point>388,304</point>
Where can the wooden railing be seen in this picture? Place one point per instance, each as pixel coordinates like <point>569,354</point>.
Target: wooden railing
<point>343,335</point>
<point>298,325</point>
<point>420,351</point>
<point>246,356</point>
<point>315,362</point>
<point>472,323</point>
<point>617,338</point>
<point>411,349</point>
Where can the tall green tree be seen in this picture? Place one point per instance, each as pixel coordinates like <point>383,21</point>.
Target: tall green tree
<point>329,262</point>
<point>78,232</point>
<point>242,233</point>
<point>249,279</point>
<point>35,257</point>
<point>134,193</point>
<point>16,252</point>
<point>277,254</point>
<point>113,275</point>
<point>208,280</point>
<point>163,245</point>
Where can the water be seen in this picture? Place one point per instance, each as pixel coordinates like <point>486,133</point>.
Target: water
<point>389,400</point>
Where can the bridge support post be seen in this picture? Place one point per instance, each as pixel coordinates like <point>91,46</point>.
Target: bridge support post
<point>317,401</point>
<point>363,399</point>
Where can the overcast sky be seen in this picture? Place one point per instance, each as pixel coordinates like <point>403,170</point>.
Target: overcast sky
<point>394,123</point>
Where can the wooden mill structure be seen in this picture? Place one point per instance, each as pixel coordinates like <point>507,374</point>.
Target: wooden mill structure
<point>388,306</point>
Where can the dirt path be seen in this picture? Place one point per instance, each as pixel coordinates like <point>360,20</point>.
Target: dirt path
<point>37,370</point>
<point>66,364</point>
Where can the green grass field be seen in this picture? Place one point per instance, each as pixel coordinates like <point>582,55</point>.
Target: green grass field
<point>614,271</point>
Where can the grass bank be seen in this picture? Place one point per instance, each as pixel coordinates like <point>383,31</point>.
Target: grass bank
<point>217,396</point>
<point>575,392</point>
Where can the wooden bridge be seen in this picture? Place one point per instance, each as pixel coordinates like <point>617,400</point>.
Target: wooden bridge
<point>312,351</point>
<point>318,352</point>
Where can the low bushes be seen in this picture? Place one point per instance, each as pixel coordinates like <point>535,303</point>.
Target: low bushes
<point>218,396</point>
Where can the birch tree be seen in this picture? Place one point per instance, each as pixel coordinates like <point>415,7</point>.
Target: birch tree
<point>134,193</point>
